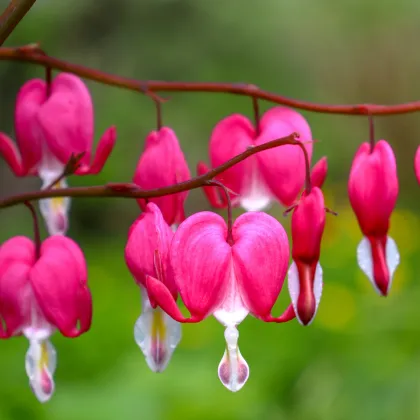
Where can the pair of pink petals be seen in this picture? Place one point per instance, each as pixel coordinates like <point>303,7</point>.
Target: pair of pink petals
<point>50,127</point>
<point>305,273</point>
<point>277,173</point>
<point>373,191</point>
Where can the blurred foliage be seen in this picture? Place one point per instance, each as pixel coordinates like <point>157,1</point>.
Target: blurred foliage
<point>361,357</point>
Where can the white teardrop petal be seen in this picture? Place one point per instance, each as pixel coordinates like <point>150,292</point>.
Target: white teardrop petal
<point>233,370</point>
<point>157,335</point>
<point>40,365</point>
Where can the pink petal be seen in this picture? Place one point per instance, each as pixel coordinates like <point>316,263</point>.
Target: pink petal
<point>29,102</point>
<point>161,164</point>
<point>230,137</point>
<point>71,247</point>
<point>103,150</point>
<point>59,283</point>
<point>417,164</point>
<point>201,258</point>
<point>261,257</point>
<point>161,294</point>
<point>319,172</point>
<point>148,234</point>
<point>11,155</point>
<point>286,316</point>
<point>17,256</point>
<point>283,168</point>
<point>66,119</point>
<point>373,187</point>
<point>216,200</point>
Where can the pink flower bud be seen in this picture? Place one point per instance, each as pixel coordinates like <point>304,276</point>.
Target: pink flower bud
<point>305,273</point>
<point>373,192</point>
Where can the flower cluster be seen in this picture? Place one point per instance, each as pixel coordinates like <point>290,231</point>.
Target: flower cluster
<point>228,269</point>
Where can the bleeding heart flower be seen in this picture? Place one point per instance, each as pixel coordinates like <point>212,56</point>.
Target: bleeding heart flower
<point>50,127</point>
<point>277,173</point>
<point>161,164</point>
<point>305,273</point>
<point>373,191</point>
<point>147,254</point>
<point>417,164</point>
<point>39,296</point>
<point>227,276</point>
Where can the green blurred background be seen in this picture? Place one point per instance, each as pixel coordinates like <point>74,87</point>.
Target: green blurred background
<point>361,357</point>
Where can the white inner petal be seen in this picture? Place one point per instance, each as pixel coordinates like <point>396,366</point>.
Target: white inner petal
<point>55,210</point>
<point>37,327</point>
<point>255,194</point>
<point>232,311</point>
<point>157,335</point>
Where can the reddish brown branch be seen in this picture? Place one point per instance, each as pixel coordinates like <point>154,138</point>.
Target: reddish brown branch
<point>32,55</point>
<point>132,191</point>
<point>13,14</point>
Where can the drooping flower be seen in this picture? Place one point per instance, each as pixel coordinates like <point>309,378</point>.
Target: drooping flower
<point>51,125</point>
<point>39,296</point>
<point>305,273</point>
<point>147,254</point>
<point>226,276</point>
<point>162,163</point>
<point>417,164</point>
<point>373,191</point>
<point>278,173</point>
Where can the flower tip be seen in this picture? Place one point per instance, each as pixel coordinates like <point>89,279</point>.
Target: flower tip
<point>233,369</point>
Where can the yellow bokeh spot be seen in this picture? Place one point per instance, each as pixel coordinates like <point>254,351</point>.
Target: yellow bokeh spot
<point>337,307</point>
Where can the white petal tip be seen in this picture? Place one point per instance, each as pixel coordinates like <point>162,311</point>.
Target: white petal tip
<point>157,335</point>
